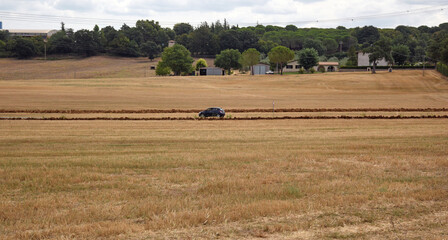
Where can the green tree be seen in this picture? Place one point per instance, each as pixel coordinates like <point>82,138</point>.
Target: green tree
<point>200,64</point>
<point>281,55</point>
<point>308,58</point>
<point>330,45</point>
<point>400,54</point>
<point>4,35</point>
<point>266,46</point>
<point>60,43</point>
<point>162,69</point>
<point>24,48</point>
<point>228,59</point>
<point>379,50</point>
<point>368,35</point>
<point>150,49</point>
<point>182,28</point>
<point>203,41</point>
<point>85,43</point>
<point>249,58</point>
<point>122,46</point>
<point>178,59</point>
<point>316,44</point>
<point>436,45</point>
<point>352,57</point>
<point>229,40</point>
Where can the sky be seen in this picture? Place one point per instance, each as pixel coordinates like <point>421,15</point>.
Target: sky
<point>84,14</point>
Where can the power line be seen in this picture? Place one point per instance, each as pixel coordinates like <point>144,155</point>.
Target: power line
<point>44,18</point>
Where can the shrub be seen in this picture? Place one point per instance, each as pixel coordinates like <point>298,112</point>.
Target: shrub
<point>162,69</point>
<point>301,71</point>
<point>312,70</point>
<point>442,68</point>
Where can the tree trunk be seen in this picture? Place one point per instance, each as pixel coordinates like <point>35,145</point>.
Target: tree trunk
<point>374,68</point>
<point>229,71</point>
<point>281,71</point>
<point>251,70</point>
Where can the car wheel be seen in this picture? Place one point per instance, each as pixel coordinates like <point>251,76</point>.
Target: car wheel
<point>201,115</point>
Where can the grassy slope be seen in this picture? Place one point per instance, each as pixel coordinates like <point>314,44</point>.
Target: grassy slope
<point>335,90</point>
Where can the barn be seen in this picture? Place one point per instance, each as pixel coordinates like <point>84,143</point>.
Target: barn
<point>211,71</point>
<point>260,69</point>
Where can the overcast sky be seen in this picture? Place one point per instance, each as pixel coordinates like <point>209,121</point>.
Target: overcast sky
<point>78,14</point>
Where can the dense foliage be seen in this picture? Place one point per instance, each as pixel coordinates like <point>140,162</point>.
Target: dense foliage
<point>408,45</point>
<point>178,59</point>
<point>442,68</point>
<point>308,58</point>
<point>228,59</point>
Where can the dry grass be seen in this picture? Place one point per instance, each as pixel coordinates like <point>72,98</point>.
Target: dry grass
<point>282,179</point>
<point>350,179</point>
<point>407,89</point>
<point>78,68</point>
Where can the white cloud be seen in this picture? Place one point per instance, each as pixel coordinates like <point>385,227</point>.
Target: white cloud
<point>304,13</point>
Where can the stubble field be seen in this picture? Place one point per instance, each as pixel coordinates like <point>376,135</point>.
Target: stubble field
<point>278,179</point>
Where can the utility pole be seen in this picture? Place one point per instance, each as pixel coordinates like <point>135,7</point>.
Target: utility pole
<point>45,49</point>
<point>424,59</point>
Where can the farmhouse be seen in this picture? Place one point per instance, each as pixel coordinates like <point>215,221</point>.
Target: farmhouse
<point>363,60</point>
<point>294,66</point>
<point>211,71</point>
<point>31,33</point>
<point>261,69</point>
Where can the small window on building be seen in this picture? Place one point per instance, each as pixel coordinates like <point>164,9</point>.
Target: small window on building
<point>153,67</point>
<point>288,66</point>
<point>298,67</point>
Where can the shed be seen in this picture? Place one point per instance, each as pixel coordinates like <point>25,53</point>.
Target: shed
<point>260,69</point>
<point>211,71</point>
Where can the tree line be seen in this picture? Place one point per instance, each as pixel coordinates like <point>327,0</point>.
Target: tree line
<point>402,45</point>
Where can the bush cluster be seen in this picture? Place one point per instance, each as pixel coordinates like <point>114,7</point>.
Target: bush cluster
<point>442,68</point>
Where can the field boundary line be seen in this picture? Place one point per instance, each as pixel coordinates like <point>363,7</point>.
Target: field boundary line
<point>254,110</point>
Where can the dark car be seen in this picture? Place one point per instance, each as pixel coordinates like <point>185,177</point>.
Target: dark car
<point>213,112</point>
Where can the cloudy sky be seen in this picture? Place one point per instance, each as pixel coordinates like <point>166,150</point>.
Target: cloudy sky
<point>78,14</point>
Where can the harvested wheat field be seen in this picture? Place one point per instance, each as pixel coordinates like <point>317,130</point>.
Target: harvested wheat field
<point>309,179</point>
<point>332,171</point>
<point>400,89</point>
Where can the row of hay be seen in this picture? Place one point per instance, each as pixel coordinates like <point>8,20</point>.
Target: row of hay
<point>256,110</point>
<point>222,119</point>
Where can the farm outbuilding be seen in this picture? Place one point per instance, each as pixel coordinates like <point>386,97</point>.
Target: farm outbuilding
<point>327,66</point>
<point>211,71</point>
<point>261,69</point>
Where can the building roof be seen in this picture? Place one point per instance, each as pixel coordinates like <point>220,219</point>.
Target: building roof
<point>30,31</point>
<point>329,63</point>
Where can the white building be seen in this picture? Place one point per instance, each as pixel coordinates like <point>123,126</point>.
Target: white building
<point>363,60</point>
<point>31,33</point>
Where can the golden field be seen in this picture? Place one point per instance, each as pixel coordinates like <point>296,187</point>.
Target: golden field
<point>274,179</point>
